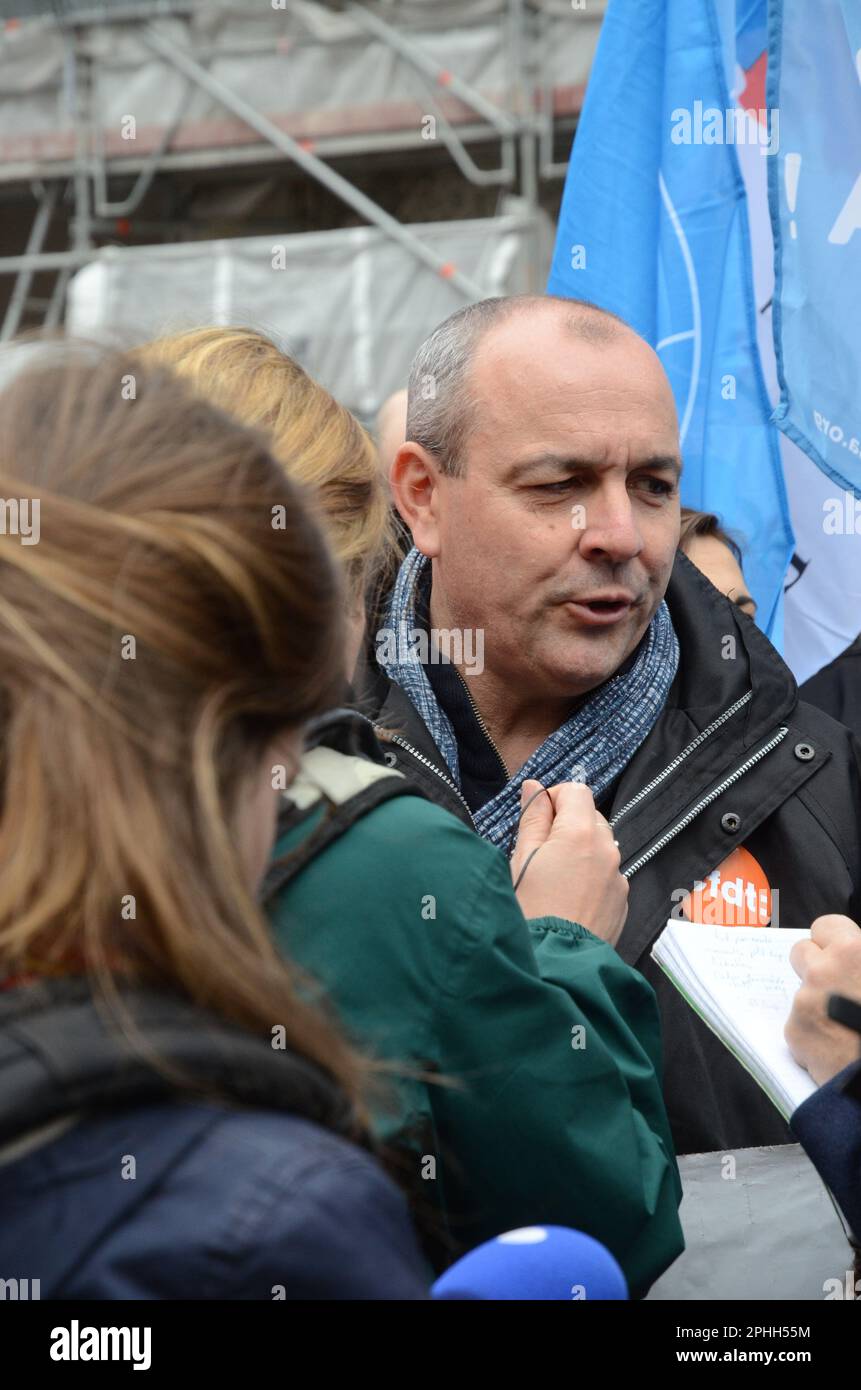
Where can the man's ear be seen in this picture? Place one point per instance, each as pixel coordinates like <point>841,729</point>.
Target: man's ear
<point>415,482</point>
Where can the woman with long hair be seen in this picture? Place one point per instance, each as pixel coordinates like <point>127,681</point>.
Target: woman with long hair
<point>176,1118</point>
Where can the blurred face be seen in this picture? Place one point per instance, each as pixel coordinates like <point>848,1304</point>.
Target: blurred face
<point>559,538</point>
<point>717,562</point>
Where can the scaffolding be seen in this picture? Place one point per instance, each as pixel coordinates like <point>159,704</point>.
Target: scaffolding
<point>99,93</point>
<point>105,104</point>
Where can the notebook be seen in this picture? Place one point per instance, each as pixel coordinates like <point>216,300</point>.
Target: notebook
<point>740,982</point>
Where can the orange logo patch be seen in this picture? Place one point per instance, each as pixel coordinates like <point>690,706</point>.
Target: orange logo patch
<point>735,894</point>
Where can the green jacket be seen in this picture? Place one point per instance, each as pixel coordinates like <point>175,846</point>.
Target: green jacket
<point>544,1105</point>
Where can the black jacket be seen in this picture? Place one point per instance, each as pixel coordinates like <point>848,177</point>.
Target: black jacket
<point>837,688</point>
<point>734,759</point>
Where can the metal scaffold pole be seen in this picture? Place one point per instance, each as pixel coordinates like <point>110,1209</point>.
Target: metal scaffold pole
<point>312,165</point>
<point>80,97</point>
<point>489,90</point>
<point>35,241</point>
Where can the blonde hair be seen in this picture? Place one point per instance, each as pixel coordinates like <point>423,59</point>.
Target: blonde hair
<point>178,614</point>
<point>319,443</point>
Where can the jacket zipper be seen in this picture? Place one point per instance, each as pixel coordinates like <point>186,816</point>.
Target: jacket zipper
<point>706,801</point>
<point>426,762</point>
<point>671,767</point>
<point>481,724</point>
<point>386,736</point>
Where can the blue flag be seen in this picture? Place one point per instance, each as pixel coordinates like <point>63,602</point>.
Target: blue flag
<point>654,227</point>
<point>814,77</point>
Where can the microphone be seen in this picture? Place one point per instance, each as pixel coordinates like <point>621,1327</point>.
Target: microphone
<point>535,1262</point>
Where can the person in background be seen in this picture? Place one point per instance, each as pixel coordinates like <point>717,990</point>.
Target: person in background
<point>716,555</point>
<point>176,1119</point>
<point>828,1123</point>
<point>391,428</point>
<point>243,372</point>
<point>522,1052</point>
<point>836,689</point>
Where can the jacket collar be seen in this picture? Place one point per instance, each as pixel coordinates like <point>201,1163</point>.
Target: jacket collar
<point>62,1051</point>
<point>731,693</point>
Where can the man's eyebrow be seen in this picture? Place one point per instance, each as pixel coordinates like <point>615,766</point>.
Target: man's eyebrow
<point>665,463</point>
<point>566,463</point>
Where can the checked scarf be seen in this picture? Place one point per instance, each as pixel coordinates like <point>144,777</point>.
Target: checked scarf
<point>593,746</point>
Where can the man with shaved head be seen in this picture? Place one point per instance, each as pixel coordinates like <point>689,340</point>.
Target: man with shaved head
<point>567,638</point>
<point>563,407</point>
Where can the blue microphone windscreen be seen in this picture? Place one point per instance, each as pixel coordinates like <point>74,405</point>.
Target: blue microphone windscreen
<point>535,1262</point>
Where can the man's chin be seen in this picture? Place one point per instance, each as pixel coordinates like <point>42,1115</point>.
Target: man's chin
<point>591,659</point>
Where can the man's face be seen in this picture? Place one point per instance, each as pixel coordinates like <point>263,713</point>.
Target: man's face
<point>559,538</point>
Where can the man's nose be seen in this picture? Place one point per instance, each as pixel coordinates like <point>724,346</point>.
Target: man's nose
<point>611,532</point>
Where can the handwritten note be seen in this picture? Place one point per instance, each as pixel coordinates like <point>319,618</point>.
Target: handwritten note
<point>740,981</point>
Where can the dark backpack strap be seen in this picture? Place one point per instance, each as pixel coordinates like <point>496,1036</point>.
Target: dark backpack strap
<point>347,731</point>
<point>339,818</point>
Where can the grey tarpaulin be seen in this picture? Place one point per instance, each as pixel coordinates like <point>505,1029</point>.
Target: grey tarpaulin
<point>350,304</point>
<point>769,1232</point>
<point>300,61</point>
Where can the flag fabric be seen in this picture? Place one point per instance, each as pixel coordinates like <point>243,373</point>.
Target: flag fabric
<point>814,79</point>
<point>822,589</point>
<point>654,227</point>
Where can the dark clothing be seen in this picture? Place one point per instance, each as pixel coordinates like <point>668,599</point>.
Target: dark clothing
<point>734,759</point>
<point>837,688</point>
<point>829,1126</point>
<point>482,771</point>
<point>228,1189</point>
<point>223,1204</point>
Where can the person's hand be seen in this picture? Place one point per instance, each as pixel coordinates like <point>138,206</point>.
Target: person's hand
<point>575,872</point>
<point>829,963</point>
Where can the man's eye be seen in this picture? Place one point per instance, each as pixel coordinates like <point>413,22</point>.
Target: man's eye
<point>556,488</point>
<point>659,487</point>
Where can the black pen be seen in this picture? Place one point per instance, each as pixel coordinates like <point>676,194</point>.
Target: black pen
<point>847,1012</point>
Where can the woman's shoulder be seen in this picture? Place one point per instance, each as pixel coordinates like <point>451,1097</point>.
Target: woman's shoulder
<point>416,816</point>
<point>296,1212</point>
<point>399,830</point>
<point>429,831</point>
<point>394,904</point>
<point>231,1203</point>
<point>407,857</point>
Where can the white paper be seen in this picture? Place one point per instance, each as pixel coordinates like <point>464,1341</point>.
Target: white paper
<point>740,981</point>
